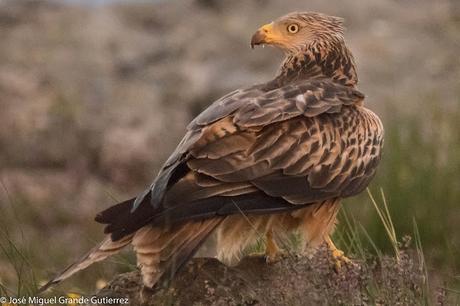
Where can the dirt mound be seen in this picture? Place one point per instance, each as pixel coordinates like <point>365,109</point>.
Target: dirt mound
<point>290,281</point>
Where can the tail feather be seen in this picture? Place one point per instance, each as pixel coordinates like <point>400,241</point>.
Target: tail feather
<point>104,249</point>
<point>187,250</point>
<point>164,238</point>
<point>122,222</point>
<point>161,258</point>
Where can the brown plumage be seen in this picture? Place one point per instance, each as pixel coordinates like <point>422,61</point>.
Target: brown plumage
<point>269,159</point>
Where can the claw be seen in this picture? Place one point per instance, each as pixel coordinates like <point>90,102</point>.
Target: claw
<point>340,259</point>
<point>338,256</point>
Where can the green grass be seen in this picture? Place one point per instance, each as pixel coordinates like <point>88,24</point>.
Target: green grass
<point>26,283</point>
<point>420,174</point>
<point>19,259</point>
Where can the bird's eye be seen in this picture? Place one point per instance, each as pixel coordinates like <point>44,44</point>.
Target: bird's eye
<point>293,28</point>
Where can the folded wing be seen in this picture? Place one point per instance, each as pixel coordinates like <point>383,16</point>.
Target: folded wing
<point>257,150</point>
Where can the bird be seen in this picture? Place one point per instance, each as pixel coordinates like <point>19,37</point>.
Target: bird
<point>262,161</point>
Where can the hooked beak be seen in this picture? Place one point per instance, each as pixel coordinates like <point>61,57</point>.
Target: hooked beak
<point>262,36</point>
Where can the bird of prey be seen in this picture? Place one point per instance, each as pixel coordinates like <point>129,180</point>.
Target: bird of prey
<point>265,160</point>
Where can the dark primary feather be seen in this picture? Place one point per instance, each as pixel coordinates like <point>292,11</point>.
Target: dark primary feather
<point>125,222</point>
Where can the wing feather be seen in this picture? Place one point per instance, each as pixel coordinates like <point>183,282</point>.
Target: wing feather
<point>302,154</point>
<point>290,142</point>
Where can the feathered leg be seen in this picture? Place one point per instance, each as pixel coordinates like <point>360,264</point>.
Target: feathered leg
<point>271,249</point>
<point>316,222</point>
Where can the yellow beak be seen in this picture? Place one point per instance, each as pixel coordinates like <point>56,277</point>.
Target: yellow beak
<point>263,35</point>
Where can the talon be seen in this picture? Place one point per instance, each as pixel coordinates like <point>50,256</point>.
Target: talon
<point>339,259</point>
<point>337,256</point>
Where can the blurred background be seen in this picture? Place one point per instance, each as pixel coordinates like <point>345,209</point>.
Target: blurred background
<point>94,95</point>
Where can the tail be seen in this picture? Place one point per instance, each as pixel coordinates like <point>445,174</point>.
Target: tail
<point>164,238</point>
<point>162,252</point>
<point>161,249</point>
<point>100,252</point>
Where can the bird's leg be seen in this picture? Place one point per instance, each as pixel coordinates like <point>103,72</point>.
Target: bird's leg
<point>271,249</point>
<point>337,255</point>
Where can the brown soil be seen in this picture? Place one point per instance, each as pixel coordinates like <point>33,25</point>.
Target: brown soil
<point>292,280</point>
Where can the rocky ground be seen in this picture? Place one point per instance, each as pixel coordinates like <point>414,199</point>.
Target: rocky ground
<point>297,281</point>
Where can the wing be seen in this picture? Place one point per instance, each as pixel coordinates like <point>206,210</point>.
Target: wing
<point>252,109</point>
<point>266,150</point>
<point>196,130</point>
<point>302,160</point>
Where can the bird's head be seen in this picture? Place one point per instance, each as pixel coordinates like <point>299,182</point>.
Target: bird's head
<point>295,31</point>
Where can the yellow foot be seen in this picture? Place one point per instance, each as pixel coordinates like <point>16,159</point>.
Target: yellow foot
<point>340,259</point>
<point>272,251</point>
<point>338,256</point>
